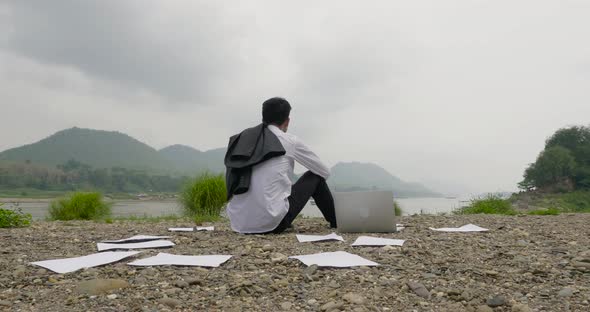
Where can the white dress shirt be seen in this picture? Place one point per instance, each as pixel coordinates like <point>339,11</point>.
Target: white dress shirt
<point>262,208</point>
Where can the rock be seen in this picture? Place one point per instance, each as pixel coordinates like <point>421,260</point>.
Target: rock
<point>312,302</point>
<point>286,306</point>
<point>334,284</point>
<point>181,284</point>
<point>278,257</point>
<point>194,281</point>
<point>100,286</point>
<point>354,298</point>
<point>112,296</point>
<point>521,308</point>
<point>19,271</point>
<point>311,270</point>
<point>331,306</point>
<point>484,308</point>
<point>566,292</point>
<point>419,289</point>
<point>170,302</point>
<point>5,303</point>
<point>496,301</point>
<point>267,247</point>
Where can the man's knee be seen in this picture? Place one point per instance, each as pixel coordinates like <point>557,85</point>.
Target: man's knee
<point>308,175</point>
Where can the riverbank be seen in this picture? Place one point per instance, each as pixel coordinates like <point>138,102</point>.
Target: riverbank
<point>542,263</point>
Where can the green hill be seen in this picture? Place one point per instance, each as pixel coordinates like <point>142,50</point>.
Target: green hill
<point>184,158</point>
<point>355,176</point>
<point>99,149</point>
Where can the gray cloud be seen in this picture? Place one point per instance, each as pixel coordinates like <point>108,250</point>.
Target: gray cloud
<point>126,42</point>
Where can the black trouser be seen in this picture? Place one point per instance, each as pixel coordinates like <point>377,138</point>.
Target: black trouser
<point>314,186</point>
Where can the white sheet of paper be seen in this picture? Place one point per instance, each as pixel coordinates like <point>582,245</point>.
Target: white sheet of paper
<point>205,228</point>
<point>377,241</point>
<point>142,245</point>
<point>68,265</point>
<point>136,239</point>
<point>170,259</point>
<point>316,238</point>
<point>465,228</point>
<point>338,259</point>
<point>190,229</point>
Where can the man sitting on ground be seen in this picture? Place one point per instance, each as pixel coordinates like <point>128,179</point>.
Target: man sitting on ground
<point>259,166</point>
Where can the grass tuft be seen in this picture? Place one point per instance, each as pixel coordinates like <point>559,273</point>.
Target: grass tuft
<point>489,204</point>
<point>14,218</point>
<point>203,197</point>
<point>79,206</point>
<point>545,212</point>
<point>397,209</point>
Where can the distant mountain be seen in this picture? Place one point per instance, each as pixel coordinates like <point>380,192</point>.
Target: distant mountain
<point>99,149</point>
<point>107,149</point>
<point>355,176</point>
<point>185,158</point>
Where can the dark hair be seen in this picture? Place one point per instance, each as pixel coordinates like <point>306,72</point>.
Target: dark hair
<point>275,111</point>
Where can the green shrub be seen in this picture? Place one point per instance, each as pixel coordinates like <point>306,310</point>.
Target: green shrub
<point>79,206</point>
<point>203,197</point>
<point>14,218</point>
<point>397,209</point>
<point>489,204</point>
<point>545,212</point>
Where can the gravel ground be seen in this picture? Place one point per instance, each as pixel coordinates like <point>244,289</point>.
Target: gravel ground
<point>525,263</point>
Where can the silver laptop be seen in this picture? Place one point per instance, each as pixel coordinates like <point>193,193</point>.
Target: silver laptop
<point>365,211</point>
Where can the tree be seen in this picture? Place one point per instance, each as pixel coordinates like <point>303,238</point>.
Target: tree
<point>576,139</point>
<point>553,166</point>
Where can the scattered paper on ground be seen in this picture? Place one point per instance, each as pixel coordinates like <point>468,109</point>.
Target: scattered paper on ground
<point>170,259</point>
<point>136,239</point>
<point>68,265</point>
<point>205,228</point>
<point>377,241</point>
<point>338,259</point>
<point>142,245</point>
<point>316,238</point>
<point>465,228</point>
<point>189,229</point>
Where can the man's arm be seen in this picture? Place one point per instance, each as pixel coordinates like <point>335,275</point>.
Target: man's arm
<point>310,160</point>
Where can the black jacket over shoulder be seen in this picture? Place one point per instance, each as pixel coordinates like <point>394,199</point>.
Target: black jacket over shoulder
<point>251,147</point>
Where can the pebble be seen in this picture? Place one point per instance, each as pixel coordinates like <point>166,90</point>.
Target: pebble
<point>112,296</point>
<point>419,289</point>
<point>354,298</point>
<point>267,247</point>
<point>194,281</point>
<point>278,257</point>
<point>331,306</point>
<point>484,308</point>
<point>286,306</point>
<point>521,308</point>
<point>170,302</point>
<point>181,284</point>
<point>496,301</point>
<point>565,292</point>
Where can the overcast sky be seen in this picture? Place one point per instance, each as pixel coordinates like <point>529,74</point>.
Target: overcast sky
<point>459,95</point>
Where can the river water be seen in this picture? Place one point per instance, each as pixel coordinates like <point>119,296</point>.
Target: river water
<point>39,208</point>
